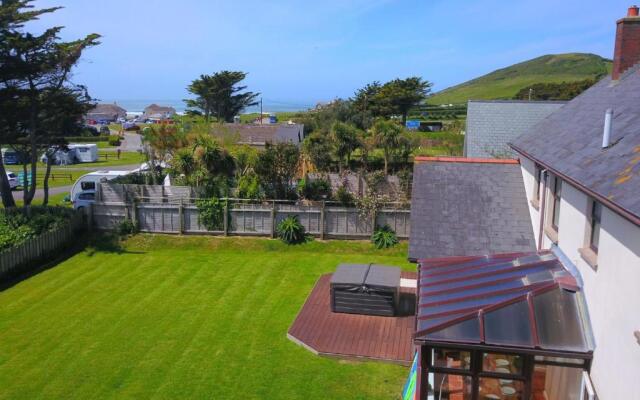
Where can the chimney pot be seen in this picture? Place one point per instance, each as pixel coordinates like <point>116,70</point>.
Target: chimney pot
<point>627,48</point>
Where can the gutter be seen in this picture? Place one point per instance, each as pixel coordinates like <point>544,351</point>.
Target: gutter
<point>623,212</point>
<point>543,198</point>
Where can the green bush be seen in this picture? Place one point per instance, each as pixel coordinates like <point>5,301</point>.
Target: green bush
<point>384,237</point>
<point>291,231</point>
<point>127,227</point>
<point>114,140</point>
<point>18,225</point>
<point>211,213</point>
<point>249,187</point>
<point>344,196</point>
<point>317,189</point>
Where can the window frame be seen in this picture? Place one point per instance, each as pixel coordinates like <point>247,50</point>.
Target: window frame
<point>556,199</point>
<point>595,224</point>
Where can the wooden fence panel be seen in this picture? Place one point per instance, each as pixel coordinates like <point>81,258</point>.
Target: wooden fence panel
<point>16,258</point>
<point>252,219</point>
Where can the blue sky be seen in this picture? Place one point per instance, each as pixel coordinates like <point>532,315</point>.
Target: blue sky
<point>300,52</point>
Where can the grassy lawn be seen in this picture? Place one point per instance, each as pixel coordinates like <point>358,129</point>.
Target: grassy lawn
<point>126,158</point>
<point>181,317</point>
<point>54,200</point>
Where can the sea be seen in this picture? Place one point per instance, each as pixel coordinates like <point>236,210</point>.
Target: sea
<point>136,107</point>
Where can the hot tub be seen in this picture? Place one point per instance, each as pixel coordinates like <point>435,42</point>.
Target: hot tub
<point>368,289</point>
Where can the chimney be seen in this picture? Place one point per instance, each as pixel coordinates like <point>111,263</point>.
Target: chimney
<point>606,135</point>
<point>627,50</point>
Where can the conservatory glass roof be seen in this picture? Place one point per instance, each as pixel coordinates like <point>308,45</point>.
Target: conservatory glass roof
<point>527,300</point>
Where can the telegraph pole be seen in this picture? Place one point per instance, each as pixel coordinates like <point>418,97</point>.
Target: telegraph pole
<point>260,110</point>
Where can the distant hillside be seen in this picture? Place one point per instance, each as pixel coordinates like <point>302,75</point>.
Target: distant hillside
<point>506,82</point>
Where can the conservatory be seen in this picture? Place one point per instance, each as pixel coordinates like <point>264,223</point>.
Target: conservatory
<point>508,326</point>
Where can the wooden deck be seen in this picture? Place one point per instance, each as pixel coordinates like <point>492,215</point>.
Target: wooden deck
<point>354,336</point>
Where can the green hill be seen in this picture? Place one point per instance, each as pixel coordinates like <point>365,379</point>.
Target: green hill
<point>506,82</point>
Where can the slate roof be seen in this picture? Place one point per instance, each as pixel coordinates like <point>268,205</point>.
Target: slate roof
<point>468,207</point>
<point>569,143</point>
<point>491,124</point>
<point>106,111</point>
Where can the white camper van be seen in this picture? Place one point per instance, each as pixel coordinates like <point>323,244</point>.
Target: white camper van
<point>83,191</point>
<point>85,152</point>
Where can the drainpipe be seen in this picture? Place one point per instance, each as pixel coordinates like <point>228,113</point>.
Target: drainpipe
<point>543,202</point>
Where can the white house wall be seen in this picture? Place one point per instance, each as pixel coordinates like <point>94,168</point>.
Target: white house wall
<point>612,290</point>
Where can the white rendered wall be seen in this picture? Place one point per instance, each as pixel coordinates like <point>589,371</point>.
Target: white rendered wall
<point>612,289</point>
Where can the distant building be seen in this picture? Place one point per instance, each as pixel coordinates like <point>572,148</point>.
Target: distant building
<point>155,112</point>
<point>491,124</point>
<point>106,113</point>
<point>259,135</point>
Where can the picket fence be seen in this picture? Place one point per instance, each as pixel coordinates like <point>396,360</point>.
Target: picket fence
<point>17,258</point>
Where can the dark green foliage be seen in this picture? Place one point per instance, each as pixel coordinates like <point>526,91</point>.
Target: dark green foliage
<point>319,148</point>
<point>384,237</point>
<point>249,187</point>
<point>343,196</point>
<point>316,189</point>
<point>114,140</point>
<point>554,91</point>
<point>17,225</point>
<point>39,103</point>
<point>211,213</point>
<point>276,167</point>
<point>220,95</point>
<point>127,227</point>
<point>291,231</point>
<point>346,139</point>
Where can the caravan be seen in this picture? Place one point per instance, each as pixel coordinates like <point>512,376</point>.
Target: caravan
<point>83,191</point>
<point>85,152</point>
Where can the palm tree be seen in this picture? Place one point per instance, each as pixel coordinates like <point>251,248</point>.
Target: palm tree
<point>386,135</point>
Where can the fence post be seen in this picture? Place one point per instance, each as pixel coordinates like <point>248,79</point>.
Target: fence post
<point>90,217</point>
<point>273,219</point>
<point>225,217</point>
<point>374,216</point>
<point>181,216</point>
<point>134,214</point>
<point>322,217</point>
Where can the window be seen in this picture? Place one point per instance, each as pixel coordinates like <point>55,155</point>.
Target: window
<point>556,194</point>
<point>87,196</point>
<point>596,216</point>
<point>449,358</point>
<point>88,185</point>
<point>494,388</point>
<point>502,363</point>
<point>450,387</point>
<point>536,187</point>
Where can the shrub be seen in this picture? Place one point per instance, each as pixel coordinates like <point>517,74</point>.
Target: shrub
<point>384,237</point>
<point>344,196</point>
<point>16,225</point>
<point>249,187</point>
<point>127,227</point>
<point>211,213</point>
<point>317,189</point>
<point>114,140</point>
<point>291,231</point>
